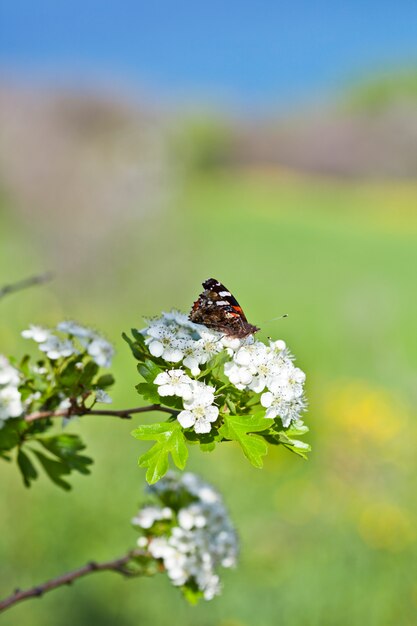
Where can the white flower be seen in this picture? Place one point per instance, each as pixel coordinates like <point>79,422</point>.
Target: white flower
<point>56,348</point>
<point>240,377</point>
<point>173,337</point>
<point>200,394</point>
<point>37,333</point>
<point>231,344</point>
<point>72,328</point>
<point>10,403</point>
<point>288,382</point>
<point>288,411</point>
<point>193,357</point>
<point>102,396</point>
<point>203,540</point>
<point>162,342</point>
<point>200,417</point>
<point>148,515</point>
<point>180,319</point>
<point>174,383</point>
<point>192,516</point>
<point>198,408</point>
<point>101,351</point>
<point>256,367</point>
<point>9,375</point>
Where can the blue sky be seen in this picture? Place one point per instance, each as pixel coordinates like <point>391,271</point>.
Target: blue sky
<point>246,52</point>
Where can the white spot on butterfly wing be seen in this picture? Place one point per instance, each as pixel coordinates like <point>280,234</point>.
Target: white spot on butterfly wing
<point>224,293</point>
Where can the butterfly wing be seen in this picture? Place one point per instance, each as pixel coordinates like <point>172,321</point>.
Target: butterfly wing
<point>216,308</point>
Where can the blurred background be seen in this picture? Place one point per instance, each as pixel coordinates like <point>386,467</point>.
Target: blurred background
<point>272,145</point>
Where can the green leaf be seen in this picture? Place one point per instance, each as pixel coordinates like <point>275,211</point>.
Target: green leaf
<point>207,447</point>
<point>157,468</point>
<point>298,447</point>
<point>55,470</point>
<point>178,448</point>
<point>288,437</point>
<point>10,434</point>
<point>192,593</point>
<point>297,429</point>
<point>239,428</point>
<point>148,392</point>
<point>106,380</point>
<point>169,440</point>
<point>149,370</point>
<point>151,431</point>
<point>139,338</point>
<point>70,375</point>
<point>66,448</point>
<point>26,467</point>
<point>137,348</point>
<point>88,373</point>
<point>24,366</point>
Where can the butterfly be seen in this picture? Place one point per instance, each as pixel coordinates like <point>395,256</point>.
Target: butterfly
<point>216,308</point>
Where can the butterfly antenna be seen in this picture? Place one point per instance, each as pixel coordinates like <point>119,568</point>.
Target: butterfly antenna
<point>274,319</point>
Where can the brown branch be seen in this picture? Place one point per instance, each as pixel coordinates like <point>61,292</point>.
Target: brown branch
<point>117,565</point>
<point>39,279</point>
<point>123,413</point>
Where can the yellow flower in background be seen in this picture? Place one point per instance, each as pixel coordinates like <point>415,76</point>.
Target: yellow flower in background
<point>366,413</point>
<point>385,526</point>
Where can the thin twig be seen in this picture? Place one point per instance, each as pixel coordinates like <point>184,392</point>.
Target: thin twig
<point>122,413</point>
<point>38,279</point>
<point>117,565</point>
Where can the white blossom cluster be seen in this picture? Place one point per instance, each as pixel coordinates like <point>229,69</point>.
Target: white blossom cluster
<point>10,399</point>
<point>200,537</point>
<point>251,365</point>
<point>269,369</point>
<point>55,347</point>
<point>174,338</point>
<point>197,397</point>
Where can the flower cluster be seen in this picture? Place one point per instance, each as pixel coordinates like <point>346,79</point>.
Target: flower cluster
<point>175,339</point>
<point>197,397</point>
<point>56,346</point>
<point>10,398</point>
<point>256,367</point>
<point>190,531</point>
<point>250,365</point>
<point>217,389</point>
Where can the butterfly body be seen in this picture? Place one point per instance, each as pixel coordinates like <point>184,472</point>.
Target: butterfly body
<point>217,309</point>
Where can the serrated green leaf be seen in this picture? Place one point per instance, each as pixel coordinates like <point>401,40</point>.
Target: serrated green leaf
<point>151,431</point>
<point>149,392</point>
<point>169,440</point>
<point>26,467</point>
<point>66,448</point>
<point>10,433</point>
<point>157,470</point>
<point>55,470</point>
<point>240,429</point>
<point>178,448</point>
<point>207,447</point>
<point>150,457</point>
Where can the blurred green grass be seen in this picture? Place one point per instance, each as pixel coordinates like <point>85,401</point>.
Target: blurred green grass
<point>331,541</point>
